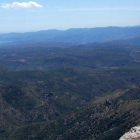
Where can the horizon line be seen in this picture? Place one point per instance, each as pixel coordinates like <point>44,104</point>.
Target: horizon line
<point>68,29</point>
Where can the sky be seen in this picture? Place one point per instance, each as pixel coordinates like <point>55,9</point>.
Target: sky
<point>36,15</point>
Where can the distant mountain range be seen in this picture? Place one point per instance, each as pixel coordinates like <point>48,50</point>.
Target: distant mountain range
<point>78,35</point>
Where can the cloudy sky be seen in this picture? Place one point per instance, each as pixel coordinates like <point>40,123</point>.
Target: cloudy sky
<point>25,16</point>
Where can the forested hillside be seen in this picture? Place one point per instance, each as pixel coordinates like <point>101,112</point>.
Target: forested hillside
<point>42,56</point>
<point>69,91</point>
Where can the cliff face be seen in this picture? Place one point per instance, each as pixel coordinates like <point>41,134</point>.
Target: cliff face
<point>133,134</point>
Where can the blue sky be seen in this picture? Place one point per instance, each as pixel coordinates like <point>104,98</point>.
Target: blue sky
<point>35,15</point>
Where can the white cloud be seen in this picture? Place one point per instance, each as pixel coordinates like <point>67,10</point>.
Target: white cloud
<point>17,5</point>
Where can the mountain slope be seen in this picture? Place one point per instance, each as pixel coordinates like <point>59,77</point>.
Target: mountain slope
<point>32,100</point>
<point>104,121</point>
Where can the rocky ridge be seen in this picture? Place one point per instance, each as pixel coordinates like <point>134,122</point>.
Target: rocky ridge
<point>133,134</point>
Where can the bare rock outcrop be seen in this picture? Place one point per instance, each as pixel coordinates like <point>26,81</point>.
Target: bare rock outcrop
<point>133,134</point>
